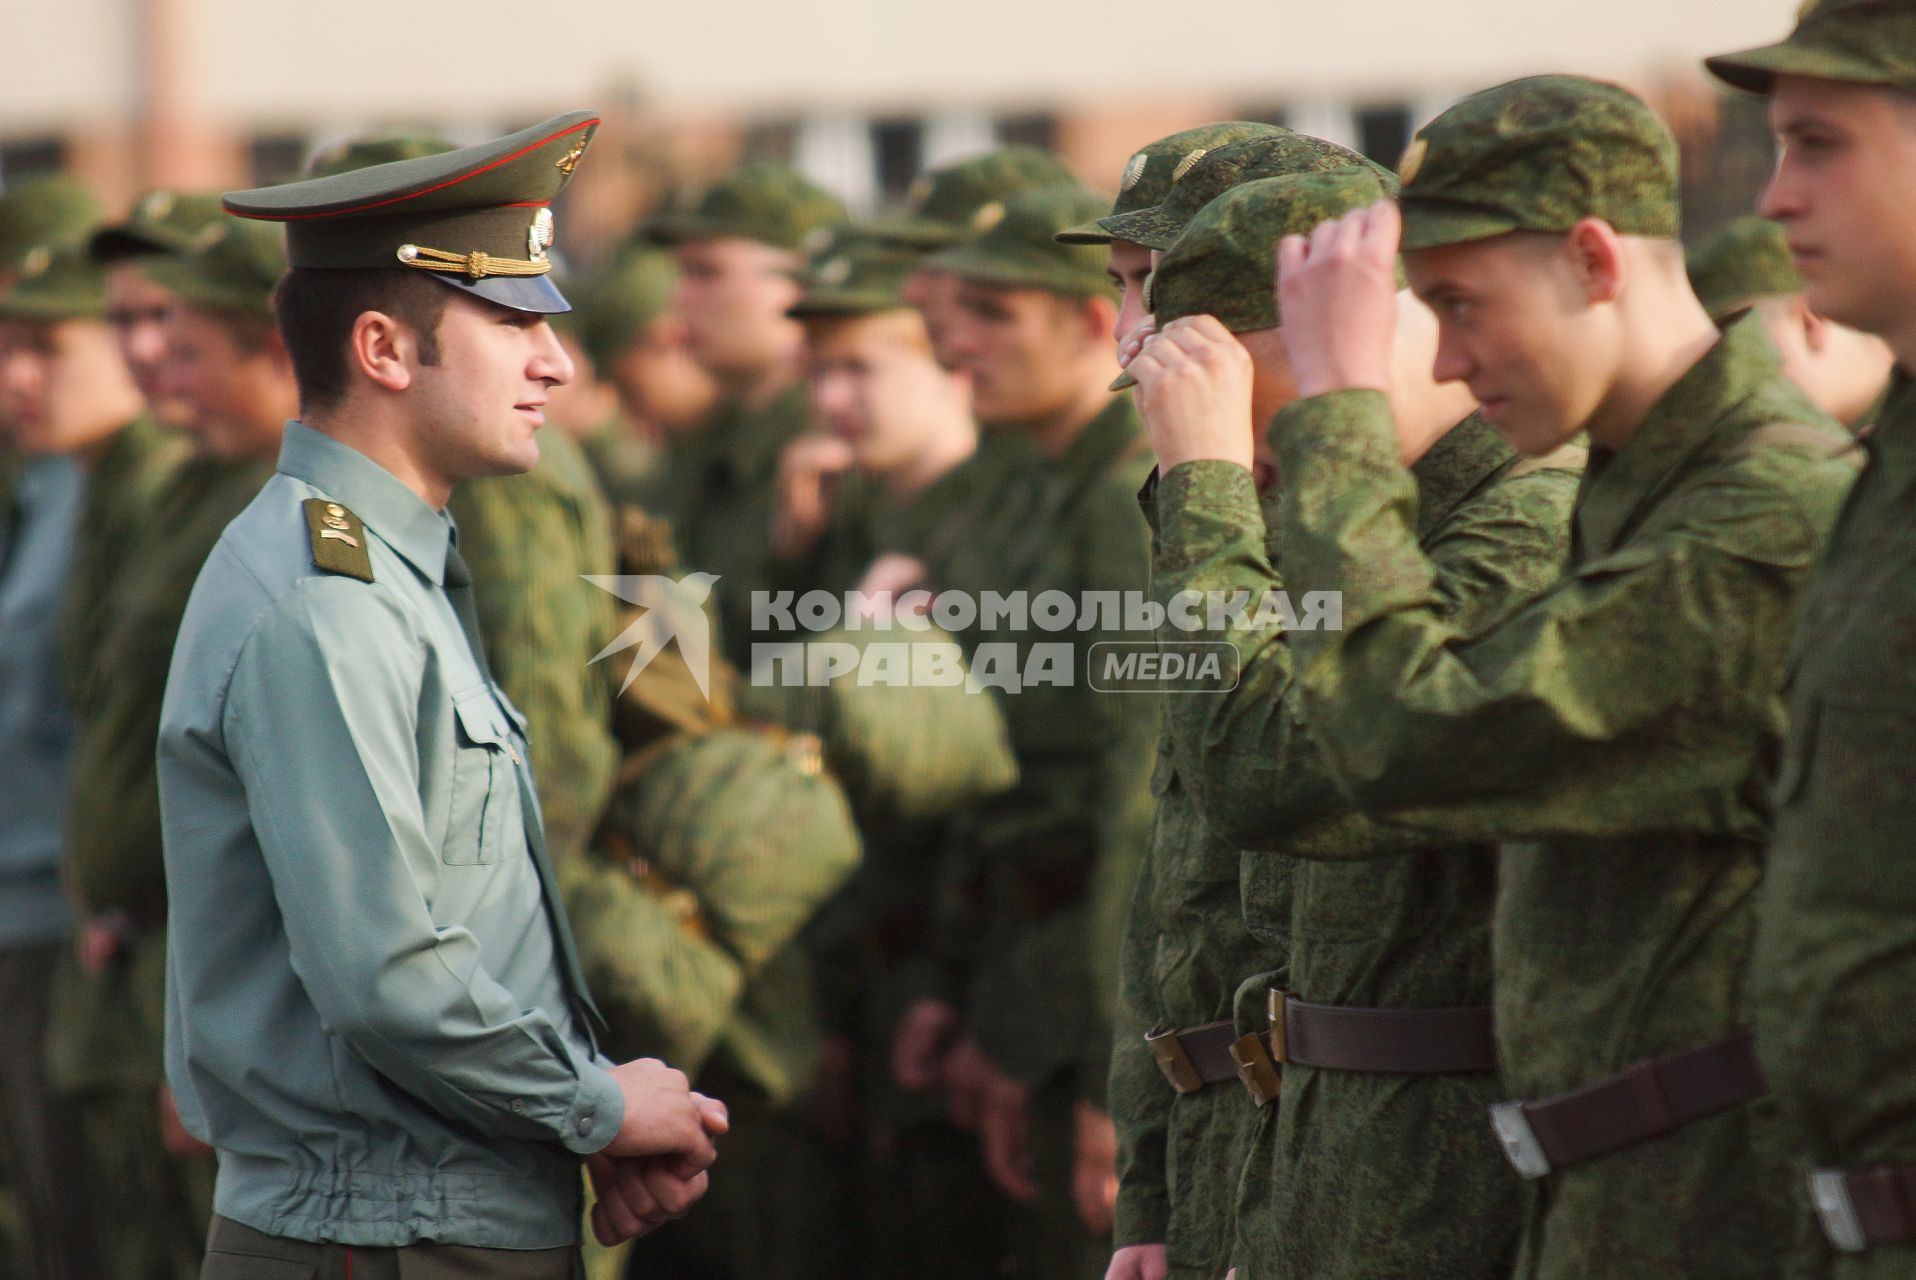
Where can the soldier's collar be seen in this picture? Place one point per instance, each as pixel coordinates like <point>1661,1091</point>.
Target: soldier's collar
<point>1683,421</point>
<point>393,513</point>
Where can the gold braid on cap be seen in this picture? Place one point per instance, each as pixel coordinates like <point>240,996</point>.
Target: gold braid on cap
<point>478,264</point>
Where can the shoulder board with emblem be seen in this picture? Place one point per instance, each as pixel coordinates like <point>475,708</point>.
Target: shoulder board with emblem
<point>339,540</point>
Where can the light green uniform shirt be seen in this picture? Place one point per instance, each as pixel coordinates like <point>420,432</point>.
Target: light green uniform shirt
<point>365,1008</point>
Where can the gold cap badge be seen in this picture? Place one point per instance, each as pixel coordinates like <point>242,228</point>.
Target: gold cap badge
<point>1413,162</point>
<point>988,216</point>
<point>1188,163</point>
<point>1134,171</point>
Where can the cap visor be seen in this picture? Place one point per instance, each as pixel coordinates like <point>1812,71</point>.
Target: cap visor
<point>1433,226</point>
<point>914,233</point>
<point>536,294</point>
<point>1085,233</point>
<point>116,244</point>
<point>1755,70</point>
<point>1148,226</point>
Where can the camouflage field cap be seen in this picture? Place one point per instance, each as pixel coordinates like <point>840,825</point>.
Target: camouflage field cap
<point>1019,249</point>
<point>616,304</point>
<point>43,211</point>
<point>857,274</point>
<point>1282,152</point>
<point>1148,176</point>
<point>941,205</point>
<point>162,221</point>
<point>1855,41</point>
<point>478,219</point>
<point>57,282</point>
<point>232,266</point>
<point>1539,154</point>
<point>770,203</point>
<point>749,824</point>
<point>1747,259</point>
<point>367,150</point>
<point>1224,263</point>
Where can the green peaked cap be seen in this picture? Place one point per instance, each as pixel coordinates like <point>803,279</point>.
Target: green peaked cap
<point>232,266</point>
<point>1747,259</point>
<point>57,282</point>
<point>1540,155</point>
<point>770,203</point>
<point>43,211</point>
<point>857,274</point>
<point>1853,41</point>
<point>1148,175</point>
<point>162,221</point>
<point>941,205</point>
<point>478,219</point>
<point>1019,250</point>
<point>1272,156</point>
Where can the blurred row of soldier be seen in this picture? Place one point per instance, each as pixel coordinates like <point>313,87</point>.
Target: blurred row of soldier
<point>1546,917</point>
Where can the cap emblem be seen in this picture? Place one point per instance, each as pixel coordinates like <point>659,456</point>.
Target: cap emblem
<point>570,160</point>
<point>988,216</point>
<point>1188,163</point>
<point>539,235</point>
<point>1413,162</point>
<point>1133,171</point>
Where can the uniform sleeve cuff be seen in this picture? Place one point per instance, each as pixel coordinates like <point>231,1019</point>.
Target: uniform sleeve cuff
<point>597,1111</point>
<point>1143,1216</point>
<point>1349,425</point>
<point>1194,496</point>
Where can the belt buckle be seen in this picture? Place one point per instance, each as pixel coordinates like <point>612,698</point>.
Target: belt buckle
<point>1829,1195</point>
<point>1173,1062</point>
<point>1256,1069</point>
<point>1519,1140</point>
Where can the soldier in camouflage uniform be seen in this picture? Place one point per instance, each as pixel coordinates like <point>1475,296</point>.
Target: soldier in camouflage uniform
<point>1031,329</point>
<point>1617,730</point>
<point>232,388</point>
<point>65,395</point>
<point>736,250</point>
<point>1146,181</point>
<point>1386,939</point>
<point>161,221</point>
<point>903,423</point>
<point>1747,265</point>
<point>940,211</point>
<point>624,325</point>
<point>1142,1211</point>
<point>1832,968</point>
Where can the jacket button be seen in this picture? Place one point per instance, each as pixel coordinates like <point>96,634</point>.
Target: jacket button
<point>585,1124</point>
<point>518,1106</point>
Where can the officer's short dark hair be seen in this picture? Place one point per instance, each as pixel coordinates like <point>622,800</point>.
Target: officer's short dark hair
<point>317,308</point>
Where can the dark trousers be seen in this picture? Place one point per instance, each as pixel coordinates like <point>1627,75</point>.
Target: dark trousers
<point>234,1252</point>
<point>42,1134</point>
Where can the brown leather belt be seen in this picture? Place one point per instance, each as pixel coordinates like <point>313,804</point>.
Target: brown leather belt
<point>1328,1037</point>
<point>1869,1207</point>
<point>1645,1100</point>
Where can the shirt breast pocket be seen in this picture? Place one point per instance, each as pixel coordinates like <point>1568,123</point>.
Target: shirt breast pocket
<point>485,811</point>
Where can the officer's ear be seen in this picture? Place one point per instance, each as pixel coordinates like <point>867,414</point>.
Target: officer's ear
<point>1598,259</point>
<point>382,350</point>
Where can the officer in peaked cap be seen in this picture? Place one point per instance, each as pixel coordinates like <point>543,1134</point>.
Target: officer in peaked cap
<point>375,1010</point>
